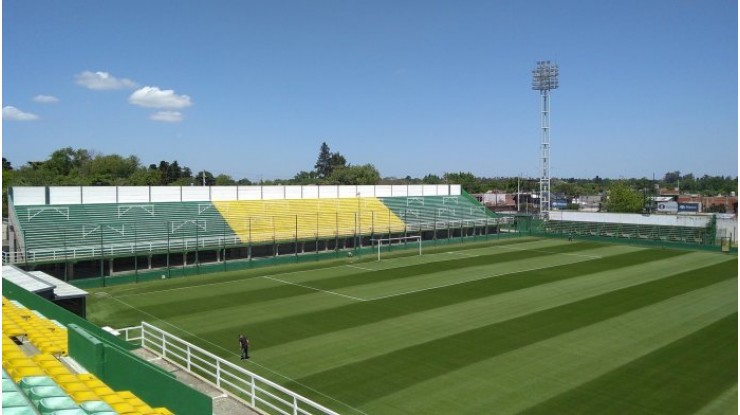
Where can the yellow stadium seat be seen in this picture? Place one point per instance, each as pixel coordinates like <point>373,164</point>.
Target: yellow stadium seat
<point>85,376</point>
<point>83,396</point>
<point>21,372</point>
<point>123,407</point>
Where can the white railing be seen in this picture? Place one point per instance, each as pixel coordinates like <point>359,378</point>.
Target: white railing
<point>244,385</point>
<point>227,240</point>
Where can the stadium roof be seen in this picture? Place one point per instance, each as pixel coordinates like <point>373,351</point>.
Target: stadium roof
<point>38,282</point>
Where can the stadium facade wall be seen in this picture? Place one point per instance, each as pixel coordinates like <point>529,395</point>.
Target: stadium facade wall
<point>70,195</point>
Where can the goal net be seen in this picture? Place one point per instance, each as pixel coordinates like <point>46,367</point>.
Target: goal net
<point>379,243</point>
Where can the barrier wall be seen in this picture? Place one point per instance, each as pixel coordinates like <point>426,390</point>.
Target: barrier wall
<point>54,312</point>
<point>693,221</point>
<point>122,370</point>
<point>72,195</point>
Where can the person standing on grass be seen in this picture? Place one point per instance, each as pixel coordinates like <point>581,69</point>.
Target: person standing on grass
<point>244,345</point>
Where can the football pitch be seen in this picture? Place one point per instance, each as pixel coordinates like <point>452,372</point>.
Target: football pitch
<point>513,326</point>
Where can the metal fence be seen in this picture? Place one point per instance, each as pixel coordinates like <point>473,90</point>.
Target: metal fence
<point>254,390</point>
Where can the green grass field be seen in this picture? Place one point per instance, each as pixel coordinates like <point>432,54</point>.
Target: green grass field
<point>526,325</point>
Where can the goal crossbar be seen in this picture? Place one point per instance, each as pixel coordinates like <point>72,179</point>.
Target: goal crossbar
<point>379,242</point>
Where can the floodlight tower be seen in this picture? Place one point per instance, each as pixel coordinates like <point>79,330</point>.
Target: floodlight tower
<point>545,78</point>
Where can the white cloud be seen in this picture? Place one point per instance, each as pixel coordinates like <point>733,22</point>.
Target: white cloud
<point>14,114</point>
<point>45,99</point>
<point>167,116</point>
<point>102,81</point>
<point>153,97</point>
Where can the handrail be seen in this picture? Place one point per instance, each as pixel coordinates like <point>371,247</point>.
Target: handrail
<point>254,390</point>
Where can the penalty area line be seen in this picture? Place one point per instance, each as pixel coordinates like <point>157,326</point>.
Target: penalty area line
<point>314,288</point>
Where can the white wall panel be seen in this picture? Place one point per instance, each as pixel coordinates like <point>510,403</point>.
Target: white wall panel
<point>310,192</point>
<point>294,192</point>
<point>443,190</point>
<point>25,195</point>
<point>99,194</point>
<point>383,191</point>
<point>366,190</point>
<point>429,189</point>
<point>347,191</point>
<point>223,193</point>
<point>250,193</point>
<point>455,190</point>
<point>195,194</point>
<point>415,190</point>
<point>165,193</point>
<point>133,194</point>
<point>328,192</point>
<point>400,190</point>
<point>65,195</point>
<point>273,192</point>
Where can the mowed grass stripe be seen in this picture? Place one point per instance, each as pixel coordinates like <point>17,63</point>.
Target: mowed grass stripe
<point>304,357</point>
<point>518,379</point>
<point>451,264</point>
<point>305,325</point>
<point>514,381</point>
<point>252,313</point>
<point>377,377</point>
<point>377,290</point>
<point>203,300</point>
<point>680,378</point>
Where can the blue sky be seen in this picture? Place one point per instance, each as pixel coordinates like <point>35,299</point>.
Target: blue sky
<point>252,88</point>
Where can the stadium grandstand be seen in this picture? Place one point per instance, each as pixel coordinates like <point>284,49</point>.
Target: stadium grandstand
<point>87,234</point>
<point>78,232</point>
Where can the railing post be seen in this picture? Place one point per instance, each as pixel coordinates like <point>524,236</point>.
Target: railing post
<point>253,392</point>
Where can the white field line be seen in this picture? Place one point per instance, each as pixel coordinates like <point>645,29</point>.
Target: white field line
<point>456,283</point>
<point>364,269</point>
<point>551,252</point>
<point>314,288</point>
<point>462,254</point>
<point>236,281</point>
<point>217,346</point>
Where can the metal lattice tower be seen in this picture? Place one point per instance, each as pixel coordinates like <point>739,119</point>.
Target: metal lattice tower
<point>545,78</point>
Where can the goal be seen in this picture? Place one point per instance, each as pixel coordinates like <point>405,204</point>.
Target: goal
<point>378,243</point>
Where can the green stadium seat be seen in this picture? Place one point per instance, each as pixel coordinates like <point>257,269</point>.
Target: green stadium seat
<point>50,405</point>
<point>30,382</point>
<point>95,407</point>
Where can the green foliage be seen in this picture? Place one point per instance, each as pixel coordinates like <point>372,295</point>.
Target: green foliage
<point>354,175</point>
<point>323,163</point>
<point>622,199</point>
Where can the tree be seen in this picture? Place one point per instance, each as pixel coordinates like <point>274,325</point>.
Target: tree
<point>469,182</point>
<point>224,180</point>
<point>305,177</point>
<point>354,175</point>
<point>431,179</point>
<point>204,175</point>
<point>622,199</point>
<point>6,165</point>
<point>336,160</point>
<point>323,164</point>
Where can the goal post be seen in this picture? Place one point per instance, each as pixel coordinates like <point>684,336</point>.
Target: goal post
<point>378,243</point>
